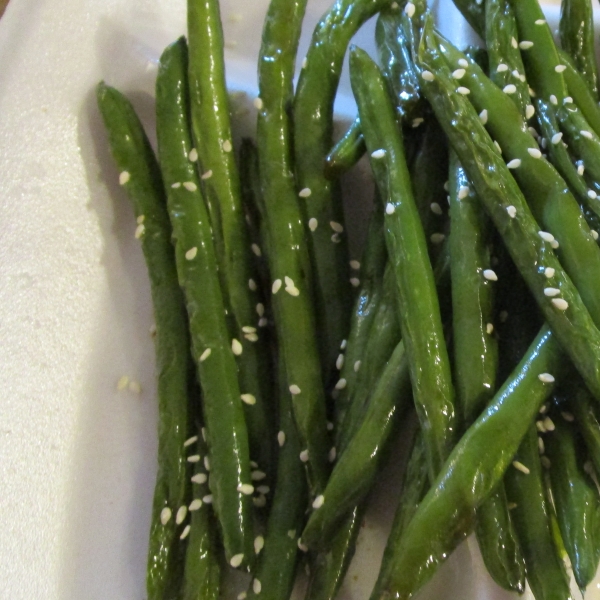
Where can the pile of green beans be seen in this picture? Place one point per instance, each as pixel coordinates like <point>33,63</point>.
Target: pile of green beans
<point>288,370</point>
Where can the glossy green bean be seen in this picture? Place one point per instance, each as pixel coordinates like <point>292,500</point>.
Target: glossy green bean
<point>140,176</point>
<point>346,152</point>
<point>211,341</point>
<point>420,319</point>
<point>289,260</point>
<point>581,404</point>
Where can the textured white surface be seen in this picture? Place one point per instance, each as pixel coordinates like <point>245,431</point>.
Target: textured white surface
<point>77,457</point>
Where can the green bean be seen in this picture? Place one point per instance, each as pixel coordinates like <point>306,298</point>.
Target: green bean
<point>289,257</point>
<point>580,403</point>
<point>420,319</point>
<point>577,39</point>
<point>346,153</point>
<point>140,176</point>
<point>474,12</point>
<point>212,132</point>
<point>576,500</point>
<point>211,342</point>
<point>540,56</point>
<point>505,63</point>
<point>502,198</point>
<point>525,489</point>
<point>474,468</point>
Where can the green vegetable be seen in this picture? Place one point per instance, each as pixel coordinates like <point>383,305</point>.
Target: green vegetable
<point>140,175</point>
<point>474,12</point>
<point>346,152</point>
<point>212,345</point>
<point>581,404</point>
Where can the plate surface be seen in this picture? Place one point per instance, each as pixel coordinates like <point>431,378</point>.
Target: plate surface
<point>77,456</point>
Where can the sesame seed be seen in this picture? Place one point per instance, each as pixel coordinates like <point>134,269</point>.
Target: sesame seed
<point>257,475</point>
<point>302,547</point>
<point>251,337</point>
<point>194,458</point>
<point>263,489</point>
<point>343,344</point>
<point>185,532</point>
<point>416,122</point>
<point>319,501</point>
<point>437,238</point>
<point>304,456</point>
<point>409,9</point>
<point>509,89</point>
<point>246,489</point>
<point>512,211</point>
<point>263,322</point>
<point>193,155</point>
<point>332,454</point>
<point>463,192</point>
<point>305,193</point>
<point>531,92</point>
<point>207,463</point>
<point>514,164</point>
<point>436,209</point>
<point>543,409</point>
<point>313,224</point>
<point>304,63</point>
<point>463,63</point>
<point>534,152</point>
<point>337,227</point>
<point>236,347</point>
<point>341,384</point>
<point>258,103</point>
<point>541,446</point>
<point>549,272</point>
<point>249,399</point>
<point>489,328</point>
<point>176,185</point>
<point>165,515</point>
<point>446,183</point>
<point>294,389</point>
<point>549,424</point>
<point>427,75</point>
<point>354,264</point>
<point>560,68</point>
<point>554,244</point>
<point>546,378</point>
<point>140,219</point>
<point>190,186</point>
<point>339,363</point>
<point>551,292</point>
<point>124,177</point>
<point>292,291</point>
<point>556,138</point>
<point>191,253</point>
<point>242,596</point>
<point>248,329</point>
<point>181,515</point>
<point>289,282</point>
<point>190,441</point>
<point>560,303</point>
<point>547,237</point>
<point>525,45</point>
<point>594,234</point>
<point>139,231</point>
<point>529,111</point>
<point>586,134</point>
<point>329,426</point>
<point>378,153</point>
<point>567,416</point>
<point>483,116</point>
<point>199,478</point>
<point>463,90</point>
<point>207,499</point>
<point>335,238</point>
<point>458,74</point>
<point>259,502</point>
<point>490,275</point>
<point>502,68</point>
<point>498,147</point>
<point>390,209</point>
<point>195,505</point>
<point>540,426</point>
<point>580,168</point>
<point>205,355</point>
<point>521,467</point>
<point>236,560</point>
<point>276,286</point>
<point>252,285</point>
<point>513,42</point>
<point>511,505</point>
<point>227,147</point>
<point>259,543</point>
<point>354,281</point>
<point>515,73</point>
<point>357,366</point>
<point>206,175</point>
<point>554,99</point>
<point>545,462</point>
<point>256,249</point>
<point>540,22</point>
<point>281,438</point>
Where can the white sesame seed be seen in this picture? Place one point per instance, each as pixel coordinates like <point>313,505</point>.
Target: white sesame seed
<point>556,138</point>
<point>289,282</point>
<point>242,596</point>
<point>463,192</point>
<point>263,489</point>
<point>236,560</point>
<point>560,303</point>
<point>501,68</point>
<point>227,147</point>
<point>195,504</point>
<point>281,438</point>
<point>541,446</point>
<point>498,147</point>
<point>276,286</point>
<point>543,409</point>
<point>545,462</point>
<point>304,456</point>
<point>437,238</point>
<point>294,389</point>
<point>546,378</point>
<point>416,122</point>
<point>551,292</point>
<point>490,275</point>
<point>594,233</point>
<point>207,463</point>
<point>259,543</point>
<point>549,424</point>
<point>580,168</point>
<point>357,366</point>
<point>139,231</point>
<point>592,194</point>
<point>249,399</point>
<point>337,227</point>
<point>318,502</point>
<point>191,253</point>
<point>525,45</point>
<point>185,532</point>
<point>206,175</point>
<point>193,155</point>
<point>390,209</point>
<point>534,152</point>
<point>248,329</point>
<point>207,499</point>
<point>378,153</point>
<point>511,505</point>
<point>463,90</point>
<point>521,467</point>
<point>567,416</point>
<point>436,209</point>
<point>547,237</point>
<point>124,177</point>
<point>190,186</point>
<point>514,164</point>
<point>553,99</point>
<point>301,546</point>
<point>256,249</point>
<point>246,489</point>
<point>354,264</point>
<point>586,134</point>
<point>446,183</point>
<point>190,441</point>
<point>236,347</point>
<point>194,458</point>
<point>354,281</point>
<point>263,322</point>
<point>540,21</point>
<point>409,9</point>
<point>258,103</point>
<point>252,285</point>
<point>458,74</point>
<point>199,478</point>
<point>339,363</point>
<point>260,501</point>
<point>305,193</point>
<point>463,63</point>
<point>513,42</point>
<point>540,426</point>
<point>251,337</point>
<point>529,111</point>
<point>489,328</point>
<point>343,344</point>
<point>140,219</point>
<point>332,454</point>
<point>304,62</point>
<point>483,116</point>
<point>335,238</point>
<point>427,75</point>
<point>554,244</point>
<point>291,534</point>
<point>205,355</point>
<point>512,211</point>
<point>181,515</point>
<point>165,515</point>
<point>341,384</point>
<point>560,68</point>
<point>531,92</point>
<point>509,89</point>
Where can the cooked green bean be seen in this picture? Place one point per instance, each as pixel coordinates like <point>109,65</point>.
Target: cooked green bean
<point>474,12</point>
<point>140,176</point>
<point>211,341</point>
<point>581,404</point>
<point>346,153</point>
<point>289,257</point>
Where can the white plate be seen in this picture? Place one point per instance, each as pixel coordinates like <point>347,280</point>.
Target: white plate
<point>77,457</point>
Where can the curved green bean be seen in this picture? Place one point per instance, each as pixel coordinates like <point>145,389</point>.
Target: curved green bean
<point>346,153</point>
